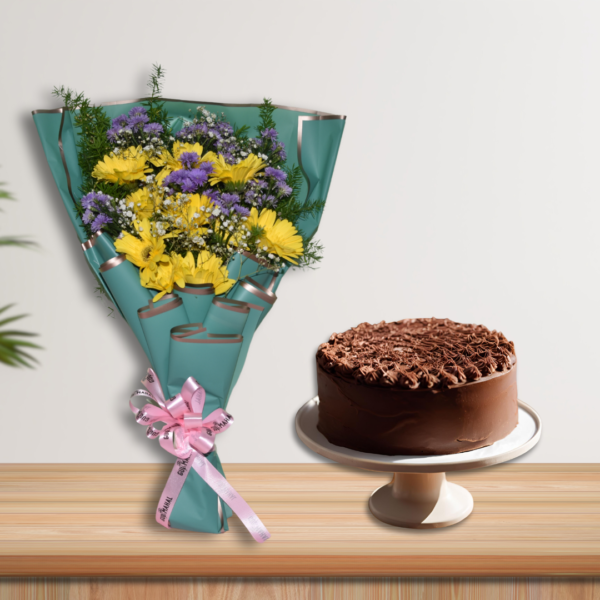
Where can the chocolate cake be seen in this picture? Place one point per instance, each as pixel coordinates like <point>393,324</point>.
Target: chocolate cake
<point>417,386</point>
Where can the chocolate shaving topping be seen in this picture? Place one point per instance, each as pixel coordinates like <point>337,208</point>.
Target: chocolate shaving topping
<point>417,353</point>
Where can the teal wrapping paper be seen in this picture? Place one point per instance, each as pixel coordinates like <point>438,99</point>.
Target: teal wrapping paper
<point>243,265</point>
<point>123,280</point>
<point>209,358</point>
<point>250,291</point>
<point>97,253</point>
<point>104,245</point>
<point>226,316</point>
<point>312,141</point>
<point>157,319</point>
<point>247,335</point>
<point>197,300</point>
<point>95,261</point>
<point>273,285</point>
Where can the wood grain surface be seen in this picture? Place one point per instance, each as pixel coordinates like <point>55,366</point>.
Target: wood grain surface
<point>98,520</point>
<point>301,589</point>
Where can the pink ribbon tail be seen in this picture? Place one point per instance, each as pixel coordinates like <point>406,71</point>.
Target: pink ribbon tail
<point>218,483</point>
<point>225,491</point>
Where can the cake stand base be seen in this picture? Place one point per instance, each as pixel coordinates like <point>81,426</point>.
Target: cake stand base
<point>419,496</point>
<point>421,501</point>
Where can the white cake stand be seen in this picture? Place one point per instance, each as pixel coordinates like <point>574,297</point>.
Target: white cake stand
<point>419,496</point>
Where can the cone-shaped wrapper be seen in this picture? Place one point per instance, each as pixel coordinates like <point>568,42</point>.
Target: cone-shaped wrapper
<point>123,281</point>
<point>209,358</point>
<point>274,284</point>
<point>103,244</point>
<point>247,335</point>
<point>198,508</point>
<point>58,141</point>
<point>197,300</point>
<point>252,292</point>
<point>243,265</point>
<point>318,144</point>
<point>226,316</point>
<point>157,320</point>
<point>94,261</point>
<point>264,278</point>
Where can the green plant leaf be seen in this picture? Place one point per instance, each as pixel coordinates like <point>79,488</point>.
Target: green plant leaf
<point>12,344</point>
<point>20,242</point>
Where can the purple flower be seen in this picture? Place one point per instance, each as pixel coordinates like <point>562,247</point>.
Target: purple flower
<point>188,159</point>
<point>196,179</point>
<point>111,134</point>
<point>99,221</point>
<point>241,210</point>
<point>229,199</point>
<point>284,188</point>
<point>224,128</point>
<point>154,129</point>
<point>269,133</point>
<point>88,215</point>
<point>193,129</point>
<point>138,121</point>
<point>188,180</point>
<point>95,200</point>
<point>221,206</point>
<point>120,122</point>
<point>88,200</point>
<point>277,174</point>
<point>211,193</point>
<point>138,111</point>
<point>206,166</point>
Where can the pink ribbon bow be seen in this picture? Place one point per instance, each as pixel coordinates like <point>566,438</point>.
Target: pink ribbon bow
<point>189,437</point>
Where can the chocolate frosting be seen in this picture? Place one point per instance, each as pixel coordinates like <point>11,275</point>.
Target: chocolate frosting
<point>416,353</point>
<point>418,386</point>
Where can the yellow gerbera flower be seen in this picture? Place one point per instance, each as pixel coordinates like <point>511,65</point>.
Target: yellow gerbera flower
<point>158,160</point>
<point>145,251</point>
<point>169,271</point>
<point>196,213</point>
<point>143,206</point>
<point>242,172</point>
<point>129,165</point>
<point>264,220</point>
<point>172,162</point>
<point>278,236</point>
<point>207,269</point>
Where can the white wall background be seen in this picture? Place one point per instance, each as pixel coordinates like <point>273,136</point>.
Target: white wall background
<point>467,186</point>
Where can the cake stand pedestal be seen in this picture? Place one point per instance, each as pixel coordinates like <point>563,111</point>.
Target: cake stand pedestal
<point>419,496</point>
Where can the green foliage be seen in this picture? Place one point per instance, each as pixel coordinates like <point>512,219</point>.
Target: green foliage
<point>92,143</point>
<point>241,133</point>
<point>155,107</point>
<point>313,254</point>
<point>13,342</point>
<point>18,241</point>
<point>4,195</point>
<point>266,111</point>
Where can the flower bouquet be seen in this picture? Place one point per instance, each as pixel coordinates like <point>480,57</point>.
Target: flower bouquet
<point>189,214</point>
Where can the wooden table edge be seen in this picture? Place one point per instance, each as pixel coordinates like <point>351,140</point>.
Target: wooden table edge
<point>300,566</point>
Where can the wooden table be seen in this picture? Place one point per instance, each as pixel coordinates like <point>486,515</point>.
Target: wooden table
<point>529,520</point>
